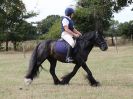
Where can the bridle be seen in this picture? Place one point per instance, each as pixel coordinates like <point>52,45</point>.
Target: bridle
<point>97,39</point>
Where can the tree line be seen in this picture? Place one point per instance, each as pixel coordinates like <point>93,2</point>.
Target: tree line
<point>89,15</point>
<point>13,26</point>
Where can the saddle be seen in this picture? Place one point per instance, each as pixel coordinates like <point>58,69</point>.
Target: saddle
<point>61,47</point>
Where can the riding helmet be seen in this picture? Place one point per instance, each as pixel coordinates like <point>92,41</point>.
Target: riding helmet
<point>69,11</point>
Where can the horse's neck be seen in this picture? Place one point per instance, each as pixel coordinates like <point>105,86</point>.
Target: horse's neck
<point>89,35</point>
<point>84,50</point>
<point>87,52</point>
<point>89,48</point>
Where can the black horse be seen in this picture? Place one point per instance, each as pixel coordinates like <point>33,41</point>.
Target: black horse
<point>46,50</point>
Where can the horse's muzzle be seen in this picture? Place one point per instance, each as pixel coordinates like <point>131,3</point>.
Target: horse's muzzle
<point>104,47</point>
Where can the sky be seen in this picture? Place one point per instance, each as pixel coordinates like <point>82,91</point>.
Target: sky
<point>47,7</point>
<point>57,7</point>
<point>124,15</point>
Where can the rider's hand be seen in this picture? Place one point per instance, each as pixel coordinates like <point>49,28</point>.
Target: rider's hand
<point>80,34</point>
<point>76,35</point>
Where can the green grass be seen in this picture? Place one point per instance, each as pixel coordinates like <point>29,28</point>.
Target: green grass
<point>113,70</point>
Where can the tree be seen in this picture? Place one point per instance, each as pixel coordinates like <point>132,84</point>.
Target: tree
<point>23,31</point>
<point>113,30</point>
<point>98,11</point>
<point>131,29</point>
<point>84,21</point>
<point>120,29</point>
<point>46,24</point>
<point>54,32</point>
<point>12,12</point>
<point>126,29</point>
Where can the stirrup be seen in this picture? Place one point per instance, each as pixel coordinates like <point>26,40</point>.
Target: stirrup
<point>69,59</point>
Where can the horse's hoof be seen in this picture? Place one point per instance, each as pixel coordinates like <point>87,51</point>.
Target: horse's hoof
<point>64,82</point>
<point>27,81</point>
<point>96,84</point>
<point>57,82</point>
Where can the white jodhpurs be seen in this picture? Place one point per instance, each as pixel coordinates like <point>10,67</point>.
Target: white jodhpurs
<point>68,38</point>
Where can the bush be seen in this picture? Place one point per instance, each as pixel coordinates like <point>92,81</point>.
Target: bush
<point>54,31</point>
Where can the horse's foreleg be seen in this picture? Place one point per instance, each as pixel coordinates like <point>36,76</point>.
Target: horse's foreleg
<point>90,77</point>
<point>67,78</point>
<point>52,71</point>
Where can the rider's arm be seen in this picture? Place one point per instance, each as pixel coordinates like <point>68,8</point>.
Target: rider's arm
<point>65,23</point>
<point>69,31</point>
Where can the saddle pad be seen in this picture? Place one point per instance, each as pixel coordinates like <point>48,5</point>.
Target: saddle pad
<point>61,47</point>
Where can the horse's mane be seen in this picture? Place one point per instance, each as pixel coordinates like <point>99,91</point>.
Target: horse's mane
<point>87,36</point>
<point>86,39</point>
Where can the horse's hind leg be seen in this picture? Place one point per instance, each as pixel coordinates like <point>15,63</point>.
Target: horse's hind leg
<point>68,77</point>
<point>39,55</point>
<point>52,70</point>
<point>33,72</point>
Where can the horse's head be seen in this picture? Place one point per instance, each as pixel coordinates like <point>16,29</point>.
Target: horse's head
<point>100,41</point>
<point>93,38</point>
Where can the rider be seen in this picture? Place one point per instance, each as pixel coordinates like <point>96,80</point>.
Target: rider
<point>68,32</point>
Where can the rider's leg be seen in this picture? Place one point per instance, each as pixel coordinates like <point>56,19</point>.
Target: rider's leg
<point>69,54</point>
<point>69,39</point>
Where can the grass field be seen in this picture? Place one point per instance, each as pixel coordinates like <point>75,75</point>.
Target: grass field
<point>113,70</point>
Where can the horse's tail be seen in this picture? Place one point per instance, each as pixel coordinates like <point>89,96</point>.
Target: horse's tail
<point>33,69</point>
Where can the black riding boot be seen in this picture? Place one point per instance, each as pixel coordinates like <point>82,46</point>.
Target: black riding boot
<point>69,52</point>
